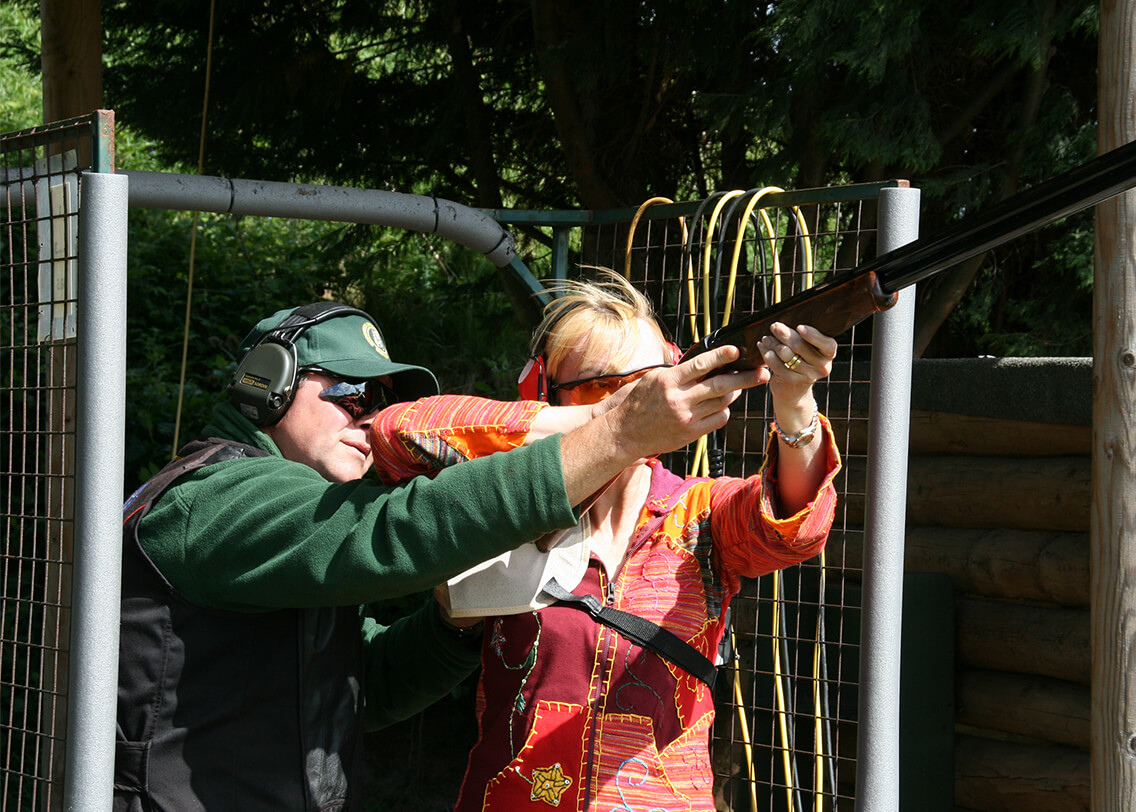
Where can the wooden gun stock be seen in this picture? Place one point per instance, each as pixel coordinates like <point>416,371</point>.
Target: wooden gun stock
<point>832,308</point>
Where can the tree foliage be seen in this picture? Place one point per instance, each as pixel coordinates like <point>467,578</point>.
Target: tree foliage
<point>543,104</point>
<point>548,104</point>
<point>441,308</point>
<point>20,92</point>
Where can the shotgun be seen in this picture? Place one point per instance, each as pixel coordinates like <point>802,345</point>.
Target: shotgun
<point>851,296</point>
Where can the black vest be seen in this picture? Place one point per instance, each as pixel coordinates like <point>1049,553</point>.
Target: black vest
<point>226,710</point>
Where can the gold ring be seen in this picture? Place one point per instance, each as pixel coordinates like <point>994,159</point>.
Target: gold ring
<point>793,362</point>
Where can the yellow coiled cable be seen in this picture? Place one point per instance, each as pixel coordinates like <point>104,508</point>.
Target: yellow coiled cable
<point>701,461</point>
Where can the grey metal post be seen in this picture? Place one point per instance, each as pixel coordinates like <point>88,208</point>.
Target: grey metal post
<point>877,762</point>
<point>100,445</point>
<point>560,237</point>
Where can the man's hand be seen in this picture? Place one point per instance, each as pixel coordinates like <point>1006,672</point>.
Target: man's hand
<point>670,408</point>
<point>667,409</point>
<point>442,596</point>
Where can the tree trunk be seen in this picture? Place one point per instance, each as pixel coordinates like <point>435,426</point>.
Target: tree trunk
<point>947,294</point>
<point>486,176</point>
<point>988,492</point>
<point>1113,514</point>
<point>71,62</point>
<point>1032,565</point>
<point>468,95</point>
<point>946,433</point>
<point>1000,492</point>
<point>937,306</point>
<point>71,42</point>
<point>572,125</point>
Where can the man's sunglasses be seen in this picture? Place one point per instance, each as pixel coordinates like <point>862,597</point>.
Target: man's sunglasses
<point>585,391</point>
<point>358,398</point>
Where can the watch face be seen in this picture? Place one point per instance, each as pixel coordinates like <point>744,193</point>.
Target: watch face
<point>801,438</point>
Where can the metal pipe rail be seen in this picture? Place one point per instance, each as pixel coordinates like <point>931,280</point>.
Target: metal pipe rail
<point>467,227</point>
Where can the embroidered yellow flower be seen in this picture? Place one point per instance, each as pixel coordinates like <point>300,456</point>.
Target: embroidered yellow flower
<point>548,784</point>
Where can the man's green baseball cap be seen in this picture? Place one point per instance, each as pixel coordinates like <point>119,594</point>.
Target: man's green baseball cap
<point>348,345</point>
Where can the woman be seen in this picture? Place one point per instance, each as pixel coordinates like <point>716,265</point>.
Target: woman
<point>571,712</point>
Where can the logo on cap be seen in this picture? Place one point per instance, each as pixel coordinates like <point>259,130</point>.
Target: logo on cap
<point>375,339</point>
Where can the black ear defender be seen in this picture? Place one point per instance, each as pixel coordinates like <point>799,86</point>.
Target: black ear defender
<point>264,384</point>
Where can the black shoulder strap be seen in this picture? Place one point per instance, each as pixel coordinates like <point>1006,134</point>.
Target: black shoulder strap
<point>195,454</point>
<point>637,629</point>
<point>640,630</point>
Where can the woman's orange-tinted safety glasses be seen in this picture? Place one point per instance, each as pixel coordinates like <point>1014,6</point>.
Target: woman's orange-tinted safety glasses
<point>585,391</point>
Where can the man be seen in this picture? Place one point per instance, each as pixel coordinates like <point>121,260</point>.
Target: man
<point>246,672</point>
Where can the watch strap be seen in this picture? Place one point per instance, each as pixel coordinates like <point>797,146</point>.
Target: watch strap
<point>802,437</point>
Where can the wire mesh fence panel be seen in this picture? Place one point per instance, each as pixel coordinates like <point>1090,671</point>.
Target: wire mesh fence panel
<point>786,727</point>
<point>38,254</point>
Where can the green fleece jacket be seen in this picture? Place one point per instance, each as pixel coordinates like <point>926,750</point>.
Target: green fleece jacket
<point>264,533</point>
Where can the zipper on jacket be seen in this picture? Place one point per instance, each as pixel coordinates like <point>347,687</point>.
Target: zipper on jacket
<point>607,590</point>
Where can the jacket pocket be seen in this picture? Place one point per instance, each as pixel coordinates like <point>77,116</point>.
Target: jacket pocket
<point>547,771</point>
<point>629,772</point>
<point>131,776</point>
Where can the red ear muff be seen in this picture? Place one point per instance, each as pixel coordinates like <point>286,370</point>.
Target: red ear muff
<point>533,383</point>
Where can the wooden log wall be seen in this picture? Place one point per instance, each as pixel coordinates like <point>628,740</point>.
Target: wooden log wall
<point>1001,505</point>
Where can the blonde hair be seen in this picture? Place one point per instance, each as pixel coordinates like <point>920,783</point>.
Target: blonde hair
<point>602,315</point>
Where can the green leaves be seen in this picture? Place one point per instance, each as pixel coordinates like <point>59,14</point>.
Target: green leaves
<point>20,92</point>
<point>547,105</point>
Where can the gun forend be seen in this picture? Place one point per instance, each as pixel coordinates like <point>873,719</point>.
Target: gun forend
<point>831,307</point>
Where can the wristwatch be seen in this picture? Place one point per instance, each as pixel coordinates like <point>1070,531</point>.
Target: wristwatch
<point>802,437</point>
<point>463,633</point>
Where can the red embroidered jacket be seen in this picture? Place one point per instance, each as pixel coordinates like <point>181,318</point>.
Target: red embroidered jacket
<point>571,714</point>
